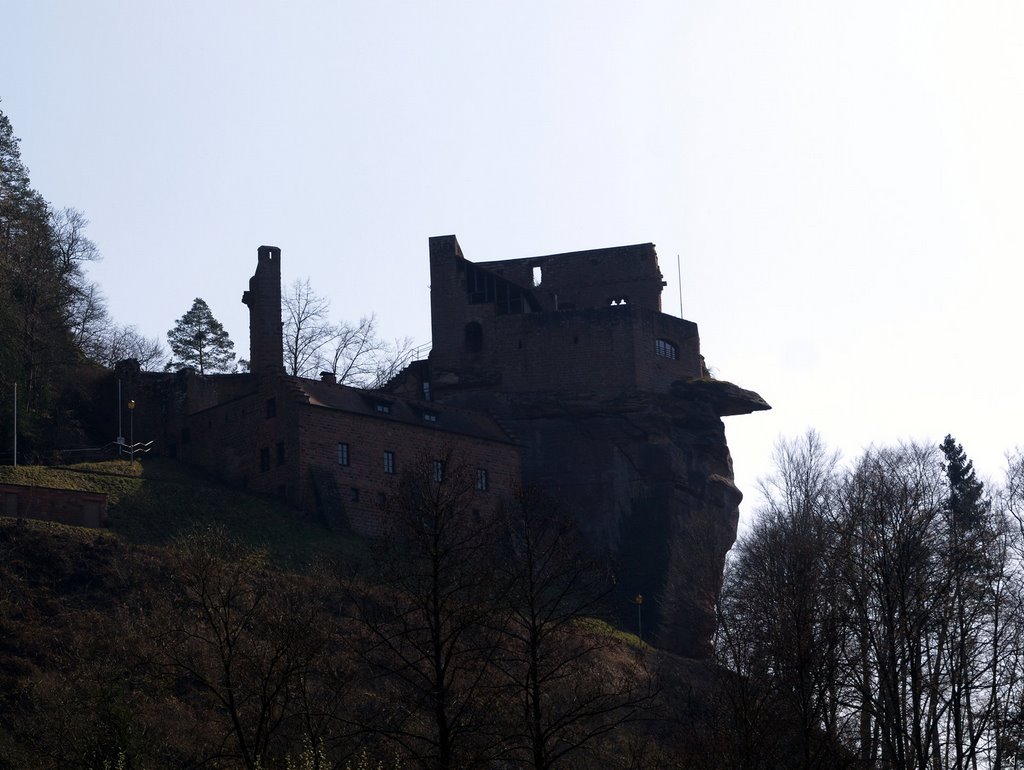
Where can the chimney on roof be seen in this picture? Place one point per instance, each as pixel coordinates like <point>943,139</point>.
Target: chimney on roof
<point>329,378</point>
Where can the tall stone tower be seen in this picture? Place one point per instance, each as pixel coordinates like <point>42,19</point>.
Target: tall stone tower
<point>266,340</point>
<point>616,414</point>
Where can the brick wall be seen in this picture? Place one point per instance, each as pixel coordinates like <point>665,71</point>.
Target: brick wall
<point>588,344</point>
<point>67,506</point>
<point>364,485</point>
<point>286,450</point>
<point>588,279</point>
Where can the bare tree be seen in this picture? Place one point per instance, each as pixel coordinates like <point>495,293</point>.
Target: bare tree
<point>88,320</point>
<point>308,332</point>
<point>353,352</point>
<point>391,358</point>
<point>782,615</point>
<point>564,698</point>
<point>240,638</point>
<point>121,342</point>
<point>428,629</point>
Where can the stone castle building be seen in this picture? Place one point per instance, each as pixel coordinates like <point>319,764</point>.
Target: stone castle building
<point>559,371</point>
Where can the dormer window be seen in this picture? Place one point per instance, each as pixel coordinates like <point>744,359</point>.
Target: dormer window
<point>666,349</point>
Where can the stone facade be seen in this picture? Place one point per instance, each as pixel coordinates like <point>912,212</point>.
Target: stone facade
<point>559,371</point>
<point>613,408</point>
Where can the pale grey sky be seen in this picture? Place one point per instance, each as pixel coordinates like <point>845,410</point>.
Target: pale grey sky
<point>841,181</point>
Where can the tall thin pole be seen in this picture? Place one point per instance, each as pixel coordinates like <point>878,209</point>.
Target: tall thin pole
<point>131,428</point>
<point>679,276</point>
<point>15,425</point>
<point>120,432</point>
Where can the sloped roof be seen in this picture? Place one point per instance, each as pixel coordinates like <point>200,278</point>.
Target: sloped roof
<point>410,412</point>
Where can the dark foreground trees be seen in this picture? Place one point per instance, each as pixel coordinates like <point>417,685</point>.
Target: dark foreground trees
<point>878,610</point>
<point>553,670</point>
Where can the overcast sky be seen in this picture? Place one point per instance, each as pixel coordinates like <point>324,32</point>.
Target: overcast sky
<point>842,182</point>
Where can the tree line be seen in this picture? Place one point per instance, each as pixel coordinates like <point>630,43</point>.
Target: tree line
<point>874,614</point>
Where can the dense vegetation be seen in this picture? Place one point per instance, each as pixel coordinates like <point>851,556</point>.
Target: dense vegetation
<point>880,607</point>
<point>168,643</point>
<point>54,327</point>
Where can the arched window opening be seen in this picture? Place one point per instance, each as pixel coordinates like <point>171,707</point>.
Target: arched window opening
<point>666,349</point>
<point>474,337</point>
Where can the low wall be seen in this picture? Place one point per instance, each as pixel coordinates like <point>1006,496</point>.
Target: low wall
<point>66,506</point>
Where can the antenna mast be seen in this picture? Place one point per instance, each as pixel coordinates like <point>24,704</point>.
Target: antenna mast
<point>679,276</point>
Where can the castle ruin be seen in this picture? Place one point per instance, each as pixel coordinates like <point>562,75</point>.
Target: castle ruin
<point>559,371</point>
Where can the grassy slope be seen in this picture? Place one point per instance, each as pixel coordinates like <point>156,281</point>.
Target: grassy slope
<point>154,500</point>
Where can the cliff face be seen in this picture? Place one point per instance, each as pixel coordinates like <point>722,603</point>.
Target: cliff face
<point>649,477</point>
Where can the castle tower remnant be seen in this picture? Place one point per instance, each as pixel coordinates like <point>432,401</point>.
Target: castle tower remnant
<point>616,415</point>
<point>266,339</point>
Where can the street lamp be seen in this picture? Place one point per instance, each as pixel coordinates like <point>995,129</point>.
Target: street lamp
<point>131,430</point>
<point>639,601</point>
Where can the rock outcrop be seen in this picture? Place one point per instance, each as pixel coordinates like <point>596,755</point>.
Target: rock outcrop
<point>649,478</point>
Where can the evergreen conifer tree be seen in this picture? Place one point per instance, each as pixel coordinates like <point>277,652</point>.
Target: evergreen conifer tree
<point>199,340</point>
<point>966,493</point>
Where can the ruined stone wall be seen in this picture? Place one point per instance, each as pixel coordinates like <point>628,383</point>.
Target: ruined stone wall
<point>612,405</point>
<point>586,344</point>
<point>588,279</point>
<point>266,340</point>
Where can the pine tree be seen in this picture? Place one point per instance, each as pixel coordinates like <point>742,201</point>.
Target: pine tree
<point>966,493</point>
<point>199,340</point>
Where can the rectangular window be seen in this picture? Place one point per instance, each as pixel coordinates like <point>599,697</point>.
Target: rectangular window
<point>481,479</point>
<point>342,453</point>
<point>280,453</point>
<point>383,408</point>
<point>389,461</point>
<point>271,407</point>
<point>426,391</point>
<point>430,416</point>
<point>438,471</point>
<point>265,459</point>
<point>354,497</point>
<point>666,349</point>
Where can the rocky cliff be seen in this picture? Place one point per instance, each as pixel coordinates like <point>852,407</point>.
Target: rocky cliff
<point>649,477</point>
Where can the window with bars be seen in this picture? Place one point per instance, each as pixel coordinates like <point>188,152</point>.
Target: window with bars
<point>389,461</point>
<point>666,349</point>
<point>342,453</point>
<point>481,479</point>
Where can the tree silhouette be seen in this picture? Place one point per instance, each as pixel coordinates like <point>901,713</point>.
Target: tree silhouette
<point>199,340</point>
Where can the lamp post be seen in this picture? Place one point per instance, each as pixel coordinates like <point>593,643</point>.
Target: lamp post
<point>131,430</point>
<point>639,601</point>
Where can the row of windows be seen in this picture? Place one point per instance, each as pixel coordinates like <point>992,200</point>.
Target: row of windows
<point>344,458</point>
<point>474,342</point>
